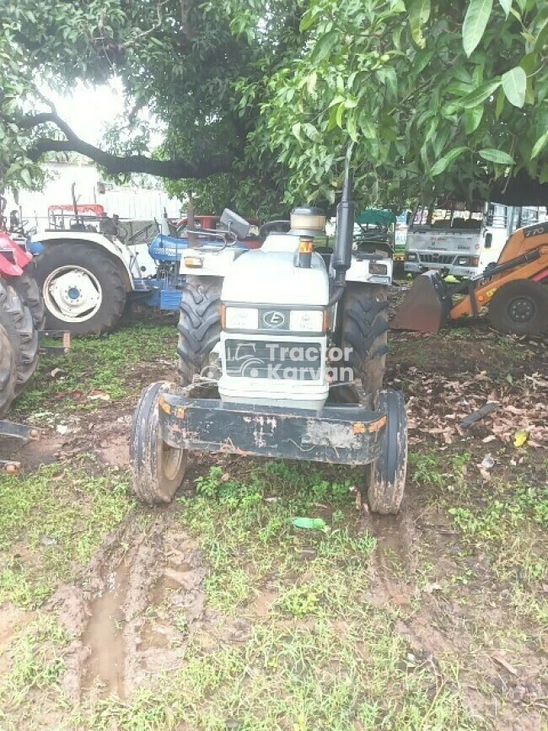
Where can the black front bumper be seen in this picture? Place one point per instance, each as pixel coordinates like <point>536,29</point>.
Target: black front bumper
<point>349,435</point>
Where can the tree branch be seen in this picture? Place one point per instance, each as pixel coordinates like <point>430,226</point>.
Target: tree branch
<point>116,164</point>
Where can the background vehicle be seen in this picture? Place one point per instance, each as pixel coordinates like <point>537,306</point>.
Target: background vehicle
<point>515,290</point>
<point>86,273</point>
<point>374,231</point>
<point>281,353</point>
<point>461,239</point>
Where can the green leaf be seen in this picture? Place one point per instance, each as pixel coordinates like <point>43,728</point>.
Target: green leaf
<point>497,156</point>
<point>444,162</point>
<point>472,119</point>
<point>539,145</point>
<point>309,523</point>
<point>26,177</point>
<point>514,83</point>
<point>479,95</point>
<point>352,129</point>
<point>368,128</point>
<point>323,46</point>
<point>419,13</point>
<point>506,5</point>
<point>296,129</point>
<point>500,103</point>
<point>475,23</point>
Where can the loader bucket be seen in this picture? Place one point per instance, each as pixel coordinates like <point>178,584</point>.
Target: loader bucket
<point>426,306</point>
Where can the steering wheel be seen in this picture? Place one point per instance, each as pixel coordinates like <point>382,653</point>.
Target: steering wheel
<point>280,226</point>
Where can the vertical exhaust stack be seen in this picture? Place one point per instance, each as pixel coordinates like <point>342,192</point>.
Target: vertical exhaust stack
<point>342,251</point>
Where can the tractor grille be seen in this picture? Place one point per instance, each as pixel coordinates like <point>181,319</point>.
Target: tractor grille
<point>279,360</point>
<point>437,258</point>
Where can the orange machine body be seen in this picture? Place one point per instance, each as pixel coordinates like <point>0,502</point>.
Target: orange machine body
<point>523,241</point>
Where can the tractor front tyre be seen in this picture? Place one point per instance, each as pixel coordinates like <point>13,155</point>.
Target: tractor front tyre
<point>363,335</point>
<point>19,325</point>
<point>520,307</point>
<point>386,476</point>
<point>28,290</point>
<point>83,288</point>
<point>157,469</point>
<point>8,371</point>
<point>199,325</point>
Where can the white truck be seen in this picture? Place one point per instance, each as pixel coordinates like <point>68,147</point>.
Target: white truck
<point>462,239</point>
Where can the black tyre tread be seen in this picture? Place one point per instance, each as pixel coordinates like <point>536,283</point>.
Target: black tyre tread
<point>143,450</point>
<point>364,329</point>
<point>17,319</point>
<point>8,372</point>
<point>29,291</point>
<point>199,325</point>
<point>107,272</point>
<point>387,475</point>
<point>497,307</point>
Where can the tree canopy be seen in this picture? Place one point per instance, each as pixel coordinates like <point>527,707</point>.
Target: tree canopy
<point>258,99</point>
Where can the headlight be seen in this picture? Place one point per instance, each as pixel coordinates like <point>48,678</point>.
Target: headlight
<point>241,318</point>
<point>411,257</point>
<point>376,268</point>
<point>306,320</point>
<point>463,261</point>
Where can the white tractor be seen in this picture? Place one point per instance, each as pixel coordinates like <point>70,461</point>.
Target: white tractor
<point>281,354</point>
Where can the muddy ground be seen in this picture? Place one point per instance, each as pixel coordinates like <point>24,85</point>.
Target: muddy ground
<point>457,582</point>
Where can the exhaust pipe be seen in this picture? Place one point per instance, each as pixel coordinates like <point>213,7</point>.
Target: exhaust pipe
<point>342,251</point>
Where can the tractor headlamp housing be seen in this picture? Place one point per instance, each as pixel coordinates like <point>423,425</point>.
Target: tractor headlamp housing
<point>307,321</point>
<point>410,256</point>
<point>241,318</point>
<point>376,267</point>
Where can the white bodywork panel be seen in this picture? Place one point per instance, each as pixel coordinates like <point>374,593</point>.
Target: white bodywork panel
<point>136,260</point>
<point>359,272</point>
<point>271,277</point>
<point>276,390</point>
<point>215,263</point>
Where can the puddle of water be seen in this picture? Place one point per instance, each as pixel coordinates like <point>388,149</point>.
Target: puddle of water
<point>105,636</point>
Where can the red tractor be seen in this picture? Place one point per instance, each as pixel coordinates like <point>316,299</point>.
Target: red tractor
<point>21,316</point>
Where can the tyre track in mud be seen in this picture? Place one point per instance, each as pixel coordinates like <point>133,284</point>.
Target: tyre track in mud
<point>119,638</point>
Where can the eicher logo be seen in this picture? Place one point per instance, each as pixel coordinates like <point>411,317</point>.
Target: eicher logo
<point>274,319</point>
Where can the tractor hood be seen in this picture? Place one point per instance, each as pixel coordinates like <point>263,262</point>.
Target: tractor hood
<point>271,277</point>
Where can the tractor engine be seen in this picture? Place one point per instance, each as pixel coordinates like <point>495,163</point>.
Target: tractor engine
<point>275,317</point>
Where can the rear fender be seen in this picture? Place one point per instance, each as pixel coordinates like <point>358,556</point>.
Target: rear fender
<point>118,252</point>
<point>9,268</point>
<point>20,257</point>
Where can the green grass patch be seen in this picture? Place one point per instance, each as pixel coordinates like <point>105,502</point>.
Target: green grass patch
<point>52,521</point>
<point>246,532</point>
<point>325,675</point>
<point>34,669</point>
<point>105,364</point>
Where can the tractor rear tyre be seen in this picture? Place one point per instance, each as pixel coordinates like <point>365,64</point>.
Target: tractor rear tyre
<point>386,476</point>
<point>520,307</point>
<point>18,323</point>
<point>8,372</point>
<point>199,325</point>
<point>363,333</point>
<point>28,290</point>
<point>157,469</point>
<point>82,287</point>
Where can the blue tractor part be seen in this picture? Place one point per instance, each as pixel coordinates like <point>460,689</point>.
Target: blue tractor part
<point>165,290</point>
